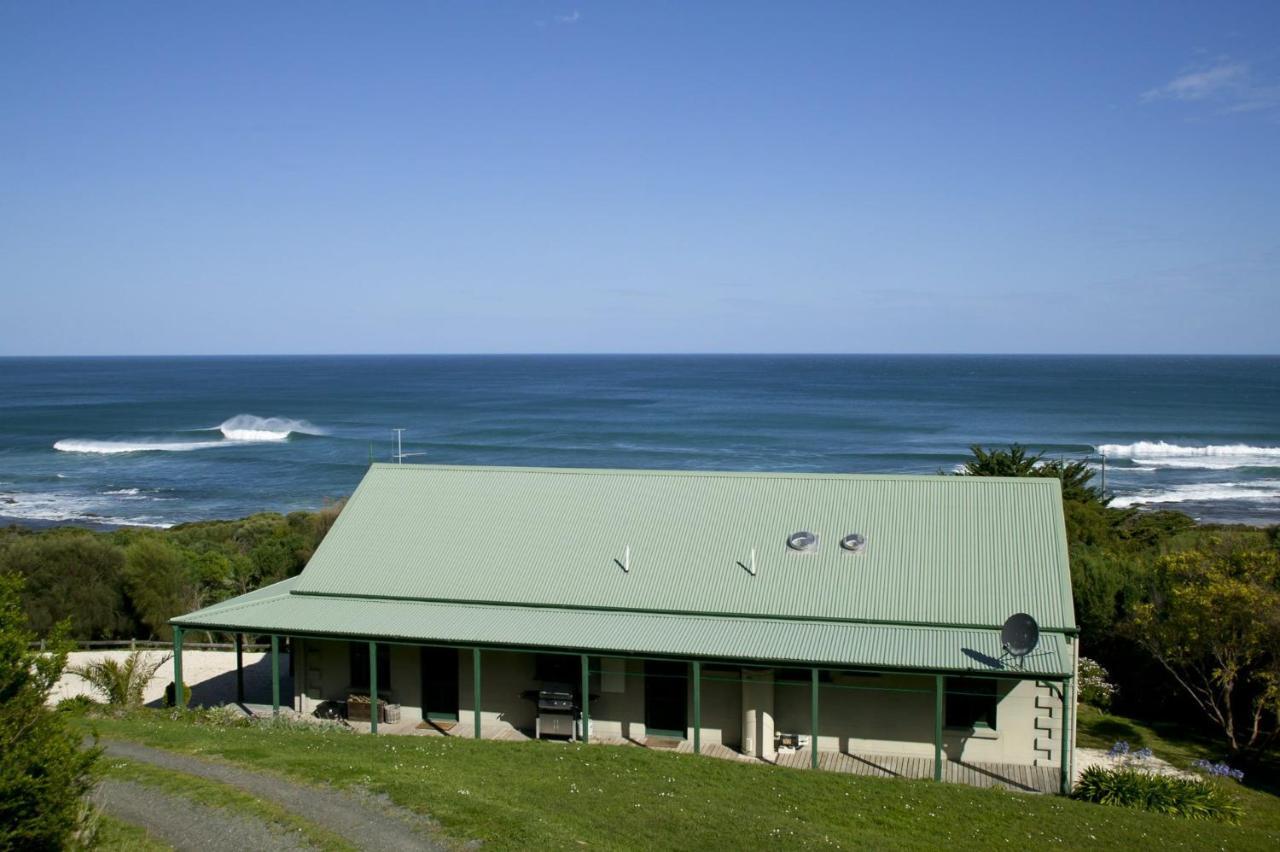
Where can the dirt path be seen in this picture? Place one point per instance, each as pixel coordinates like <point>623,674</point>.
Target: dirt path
<point>184,824</point>
<point>364,822</point>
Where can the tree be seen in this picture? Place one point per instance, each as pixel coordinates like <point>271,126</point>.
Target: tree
<point>162,582</point>
<point>1076,476</point>
<point>44,773</point>
<point>1213,621</point>
<point>70,573</point>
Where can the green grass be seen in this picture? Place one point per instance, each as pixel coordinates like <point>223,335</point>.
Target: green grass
<point>549,795</point>
<point>1175,744</point>
<point>217,795</point>
<point>114,835</point>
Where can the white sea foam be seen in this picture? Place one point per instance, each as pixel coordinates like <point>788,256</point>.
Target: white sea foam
<point>39,506</point>
<point>247,427</point>
<point>1161,454</point>
<point>1261,490</point>
<point>241,429</point>
<point>123,492</point>
<point>114,447</point>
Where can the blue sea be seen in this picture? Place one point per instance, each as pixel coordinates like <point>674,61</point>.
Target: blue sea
<point>159,441</point>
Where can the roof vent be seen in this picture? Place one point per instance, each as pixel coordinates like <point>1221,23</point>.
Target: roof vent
<point>854,542</point>
<point>803,541</point>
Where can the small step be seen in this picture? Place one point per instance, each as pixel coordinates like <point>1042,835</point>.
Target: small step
<point>1046,743</point>
<point>1047,723</point>
<point>1045,761</point>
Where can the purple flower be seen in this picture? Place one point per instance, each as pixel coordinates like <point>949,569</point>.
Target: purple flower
<point>1120,749</point>
<point>1219,769</point>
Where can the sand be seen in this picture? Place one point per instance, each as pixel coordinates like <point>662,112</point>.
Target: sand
<point>211,676</point>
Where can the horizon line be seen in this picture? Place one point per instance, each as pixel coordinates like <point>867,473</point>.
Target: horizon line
<point>736,354</point>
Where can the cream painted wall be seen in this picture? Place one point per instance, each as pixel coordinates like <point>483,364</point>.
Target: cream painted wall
<point>757,703</point>
<point>503,676</point>
<point>894,714</point>
<point>619,715</point>
<point>890,714</point>
<point>326,675</point>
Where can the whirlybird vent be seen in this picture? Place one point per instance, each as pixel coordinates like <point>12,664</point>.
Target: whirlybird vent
<point>803,541</point>
<point>854,542</point>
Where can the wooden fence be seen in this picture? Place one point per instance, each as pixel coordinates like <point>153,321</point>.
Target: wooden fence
<point>153,645</point>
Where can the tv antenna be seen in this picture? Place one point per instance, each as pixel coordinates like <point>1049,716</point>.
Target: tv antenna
<point>401,455</point>
<point>1019,637</point>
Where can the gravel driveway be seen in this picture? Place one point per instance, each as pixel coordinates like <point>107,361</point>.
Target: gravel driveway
<point>363,821</point>
<point>184,824</point>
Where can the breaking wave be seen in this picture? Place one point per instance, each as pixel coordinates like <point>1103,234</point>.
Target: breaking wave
<point>1246,492</point>
<point>241,429</point>
<point>246,427</point>
<point>113,447</point>
<point>1152,454</point>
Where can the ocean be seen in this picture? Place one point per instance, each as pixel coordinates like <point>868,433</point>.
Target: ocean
<point>159,441</point>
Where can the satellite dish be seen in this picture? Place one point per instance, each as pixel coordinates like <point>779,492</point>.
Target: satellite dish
<point>1019,635</point>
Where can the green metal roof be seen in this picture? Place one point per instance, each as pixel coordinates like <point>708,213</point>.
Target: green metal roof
<point>485,555</point>
<point>757,640</point>
<point>940,549</point>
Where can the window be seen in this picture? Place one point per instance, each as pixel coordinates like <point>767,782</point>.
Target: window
<point>971,702</point>
<point>802,676</point>
<point>558,668</point>
<point>360,666</point>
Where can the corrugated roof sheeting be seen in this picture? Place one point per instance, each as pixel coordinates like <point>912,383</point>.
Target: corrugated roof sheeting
<point>719,637</point>
<point>940,550</point>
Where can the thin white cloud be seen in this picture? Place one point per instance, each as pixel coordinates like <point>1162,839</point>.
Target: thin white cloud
<point>571,18</point>
<point>1200,85</point>
<point>1230,85</point>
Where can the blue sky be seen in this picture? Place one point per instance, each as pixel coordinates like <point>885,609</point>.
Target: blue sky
<point>642,177</point>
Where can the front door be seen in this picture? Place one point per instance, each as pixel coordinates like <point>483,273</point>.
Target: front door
<point>666,690</point>
<point>440,684</point>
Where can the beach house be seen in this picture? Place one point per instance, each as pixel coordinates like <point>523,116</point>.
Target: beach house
<point>816,620</point>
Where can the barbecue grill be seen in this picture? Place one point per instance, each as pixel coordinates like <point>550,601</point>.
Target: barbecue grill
<point>557,711</point>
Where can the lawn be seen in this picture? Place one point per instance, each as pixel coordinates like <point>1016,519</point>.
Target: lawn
<point>1260,794</point>
<point>116,836</point>
<point>554,795</point>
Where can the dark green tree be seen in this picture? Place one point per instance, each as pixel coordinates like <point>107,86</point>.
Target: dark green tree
<point>44,772</point>
<point>70,572</point>
<point>1076,475</point>
<point>163,582</point>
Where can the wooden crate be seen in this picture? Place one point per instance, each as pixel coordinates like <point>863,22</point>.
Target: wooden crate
<point>359,706</point>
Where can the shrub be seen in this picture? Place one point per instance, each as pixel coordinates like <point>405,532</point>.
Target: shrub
<point>226,716</point>
<point>1196,798</point>
<point>76,704</point>
<point>1096,689</point>
<point>122,684</point>
<point>169,697</point>
<point>44,771</point>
